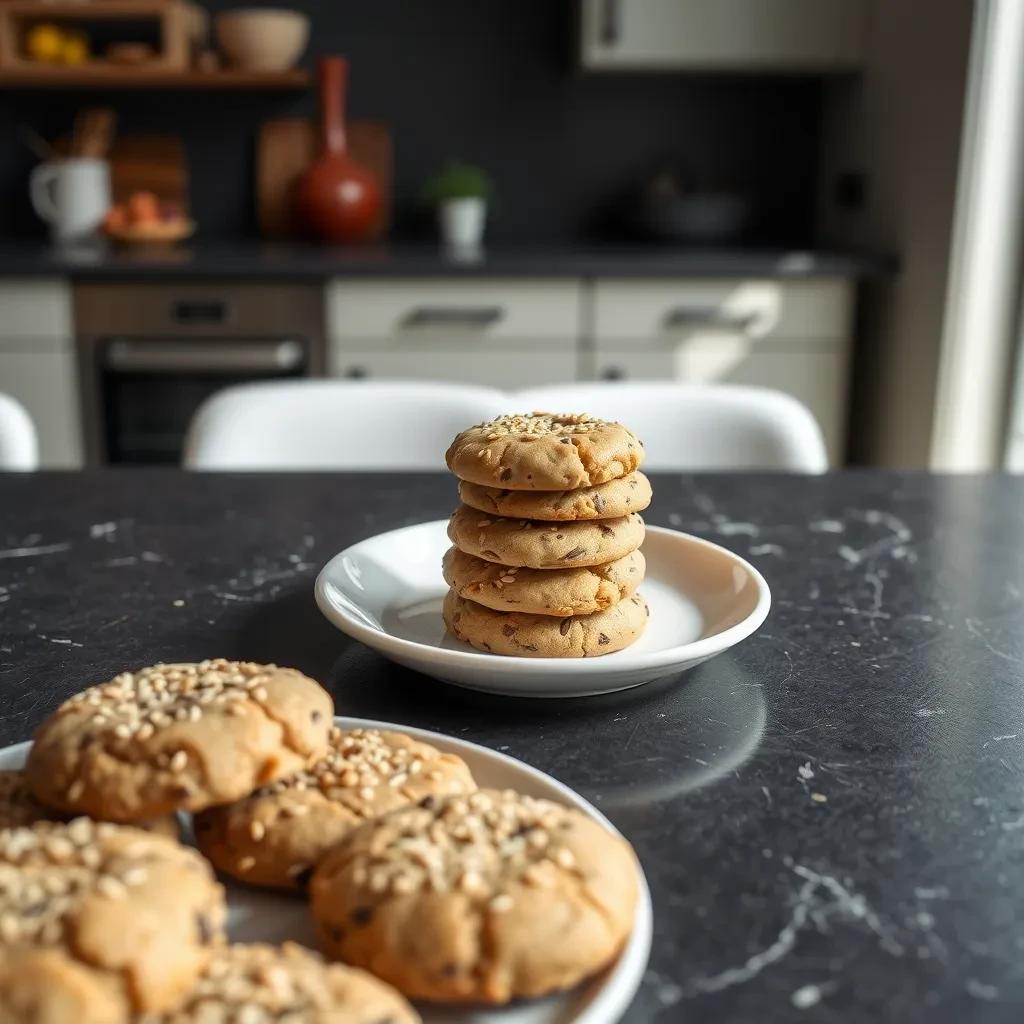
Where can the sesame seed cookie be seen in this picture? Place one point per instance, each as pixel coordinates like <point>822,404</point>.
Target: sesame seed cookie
<point>19,807</point>
<point>486,898</point>
<point>604,501</point>
<point>561,592</point>
<point>519,542</point>
<point>177,737</point>
<point>260,983</point>
<point>278,834</point>
<point>543,636</point>
<point>102,921</point>
<point>544,451</point>
<point>17,804</point>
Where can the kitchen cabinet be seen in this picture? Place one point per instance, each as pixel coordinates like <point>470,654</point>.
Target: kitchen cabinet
<point>503,333</point>
<point>739,35</point>
<point>38,367</point>
<point>789,335</point>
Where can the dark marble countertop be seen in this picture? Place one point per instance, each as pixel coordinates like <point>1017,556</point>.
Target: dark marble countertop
<point>831,816</point>
<point>256,259</point>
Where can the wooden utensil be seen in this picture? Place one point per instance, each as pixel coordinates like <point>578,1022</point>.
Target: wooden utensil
<point>286,148</point>
<point>337,198</point>
<point>94,133</point>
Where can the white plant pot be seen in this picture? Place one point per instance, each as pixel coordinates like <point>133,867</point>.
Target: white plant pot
<point>462,222</point>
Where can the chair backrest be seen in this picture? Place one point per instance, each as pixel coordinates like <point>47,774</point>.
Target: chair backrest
<point>697,426</point>
<point>19,446</point>
<point>334,424</point>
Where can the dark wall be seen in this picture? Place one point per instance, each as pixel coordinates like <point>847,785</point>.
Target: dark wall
<point>490,81</point>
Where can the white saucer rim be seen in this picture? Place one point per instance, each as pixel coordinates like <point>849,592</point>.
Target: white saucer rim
<point>626,660</point>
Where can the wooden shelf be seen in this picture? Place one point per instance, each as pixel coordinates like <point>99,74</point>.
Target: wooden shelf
<point>106,76</point>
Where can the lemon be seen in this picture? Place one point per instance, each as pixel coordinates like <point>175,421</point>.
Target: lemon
<point>75,49</point>
<point>45,42</point>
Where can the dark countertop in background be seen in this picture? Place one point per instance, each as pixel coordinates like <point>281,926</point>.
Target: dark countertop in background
<point>313,262</point>
<point>831,816</point>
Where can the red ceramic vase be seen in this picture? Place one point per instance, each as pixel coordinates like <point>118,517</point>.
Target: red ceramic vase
<point>338,198</point>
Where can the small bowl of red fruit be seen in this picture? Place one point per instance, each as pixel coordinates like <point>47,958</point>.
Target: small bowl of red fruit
<point>143,219</point>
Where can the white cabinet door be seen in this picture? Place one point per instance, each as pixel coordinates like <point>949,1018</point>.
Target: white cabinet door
<point>507,369</point>
<point>454,313</point>
<point>815,375</point>
<point>783,35</point>
<point>659,312</point>
<point>496,332</point>
<point>42,377</point>
<point>35,308</point>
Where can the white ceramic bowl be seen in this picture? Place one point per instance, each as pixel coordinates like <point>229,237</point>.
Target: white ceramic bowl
<point>262,38</point>
<point>257,915</point>
<point>387,592</point>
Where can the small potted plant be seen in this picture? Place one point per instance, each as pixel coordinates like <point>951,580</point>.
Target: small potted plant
<point>461,193</point>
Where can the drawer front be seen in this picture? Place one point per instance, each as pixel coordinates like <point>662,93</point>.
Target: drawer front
<point>508,369</point>
<point>656,314</point>
<point>814,375</point>
<point>455,314</point>
<point>199,309</point>
<point>35,309</point>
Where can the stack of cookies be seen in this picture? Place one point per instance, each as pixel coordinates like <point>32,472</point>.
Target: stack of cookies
<point>406,863</point>
<point>546,559</point>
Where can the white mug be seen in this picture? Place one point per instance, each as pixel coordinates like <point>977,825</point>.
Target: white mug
<point>72,196</point>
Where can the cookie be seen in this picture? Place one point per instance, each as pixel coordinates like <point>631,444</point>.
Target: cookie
<point>521,543</point>
<point>561,592</point>
<point>19,807</point>
<point>486,898</point>
<point>604,501</point>
<point>102,920</point>
<point>177,737</point>
<point>542,636</point>
<point>277,835</point>
<point>544,451</point>
<point>17,804</point>
<point>262,984</point>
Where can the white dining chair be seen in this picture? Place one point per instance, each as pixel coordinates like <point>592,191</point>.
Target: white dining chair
<point>697,426</point>
<point>334,424</point>
<point>19,445</point>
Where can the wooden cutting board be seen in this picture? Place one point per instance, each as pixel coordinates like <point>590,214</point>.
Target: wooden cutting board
<point>287,146</point>
<point>149,163</point>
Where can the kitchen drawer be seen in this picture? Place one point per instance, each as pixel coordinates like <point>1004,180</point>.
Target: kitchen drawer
<point>39,308</point>
<point>505,369</point>
<point>659,313</point>
<point>453,313</point>
<point>199,309</point>
<point>813,374</point>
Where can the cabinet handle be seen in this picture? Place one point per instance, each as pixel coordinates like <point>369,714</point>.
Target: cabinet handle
<point>613,373</point>
<point>708,316</point>
<point>434,317</point>
<point>610,22</point>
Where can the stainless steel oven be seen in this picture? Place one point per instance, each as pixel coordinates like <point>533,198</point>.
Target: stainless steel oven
<point>150,355</point>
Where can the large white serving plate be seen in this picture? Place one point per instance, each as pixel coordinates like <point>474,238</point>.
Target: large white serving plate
<point>264,916</point>
<point>387,592</point>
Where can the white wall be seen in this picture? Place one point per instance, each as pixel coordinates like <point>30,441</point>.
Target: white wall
<point>899,122</point>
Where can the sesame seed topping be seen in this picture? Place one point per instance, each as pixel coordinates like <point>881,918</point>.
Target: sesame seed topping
<point>134,706</point>
<point>540,424</point>
<point>482,844</point>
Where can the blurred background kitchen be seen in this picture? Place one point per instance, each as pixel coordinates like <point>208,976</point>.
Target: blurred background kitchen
<point>816,196</point>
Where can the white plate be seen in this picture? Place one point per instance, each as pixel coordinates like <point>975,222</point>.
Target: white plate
<point>263,916</point>
<point>387,592</point>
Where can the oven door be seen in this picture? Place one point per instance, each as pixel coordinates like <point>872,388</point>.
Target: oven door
<point>151,387</point>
